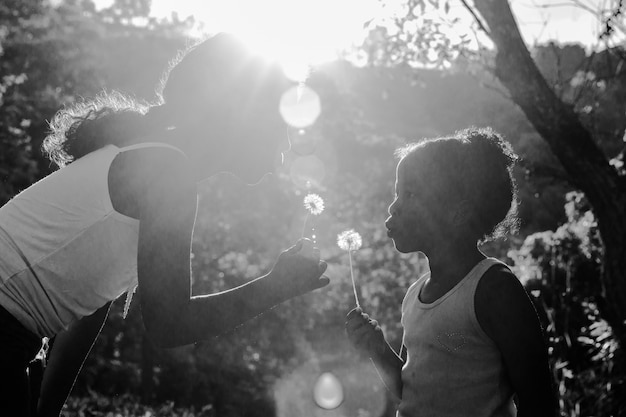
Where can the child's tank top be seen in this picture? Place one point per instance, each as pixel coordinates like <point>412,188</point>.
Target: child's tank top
<point>453,368</point>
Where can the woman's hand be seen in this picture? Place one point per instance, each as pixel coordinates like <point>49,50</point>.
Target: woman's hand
<point>298,270</point>
<point>365,334</point>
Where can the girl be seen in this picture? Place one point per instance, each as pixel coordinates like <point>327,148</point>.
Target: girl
<point>472,340</point>
<point>121,212</point>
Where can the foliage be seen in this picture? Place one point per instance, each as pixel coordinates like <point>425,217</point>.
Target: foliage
<point>17,169</point>
<point>97,405</point>
<point>53,55</point>
<point>561,269</point>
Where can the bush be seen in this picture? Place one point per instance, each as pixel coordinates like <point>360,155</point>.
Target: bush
<point>126,405</point>
<point>561,269</point>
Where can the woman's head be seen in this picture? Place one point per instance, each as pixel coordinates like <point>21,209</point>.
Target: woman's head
<point>219,99</point>
<point>224,98</point>
<point>459,186</point>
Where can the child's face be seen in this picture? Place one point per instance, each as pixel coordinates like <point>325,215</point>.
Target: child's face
<point>417,219</point>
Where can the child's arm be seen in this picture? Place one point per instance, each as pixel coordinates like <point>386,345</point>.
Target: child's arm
<point>366,335</point>
<point>507,315</point>
<point>66,358</point>
<point>389,367</point>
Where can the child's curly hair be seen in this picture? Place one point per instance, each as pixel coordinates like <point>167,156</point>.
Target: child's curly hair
<point>476,165</point>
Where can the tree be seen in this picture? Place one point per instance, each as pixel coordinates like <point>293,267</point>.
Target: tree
<point>587,167</point>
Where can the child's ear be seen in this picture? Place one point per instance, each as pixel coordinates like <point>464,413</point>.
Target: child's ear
<point>461,213</point>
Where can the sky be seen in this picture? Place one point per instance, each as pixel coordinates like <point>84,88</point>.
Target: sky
<point>317,28</point>
<point>567,23</point>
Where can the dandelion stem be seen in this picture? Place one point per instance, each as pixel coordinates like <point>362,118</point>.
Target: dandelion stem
<point>356,297</point>
<point>304,226</point>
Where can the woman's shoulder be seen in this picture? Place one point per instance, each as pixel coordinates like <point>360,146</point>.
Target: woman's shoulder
<point>146,161</point>
<point>140,174</point>
<point>140,145</point>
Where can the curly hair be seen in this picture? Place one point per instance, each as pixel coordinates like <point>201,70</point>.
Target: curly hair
<point>86,125</point>
<point>476,165</point>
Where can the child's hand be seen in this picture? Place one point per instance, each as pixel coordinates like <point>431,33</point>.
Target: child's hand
<point>364,333</point>
<point>298,270</point>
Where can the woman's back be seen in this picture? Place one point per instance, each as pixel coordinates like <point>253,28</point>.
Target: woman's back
<point>66,251</point>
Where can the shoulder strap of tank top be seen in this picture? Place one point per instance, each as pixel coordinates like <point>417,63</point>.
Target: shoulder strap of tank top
<point>150,145</point>
<point>483,266</point>
<point>488,263</point>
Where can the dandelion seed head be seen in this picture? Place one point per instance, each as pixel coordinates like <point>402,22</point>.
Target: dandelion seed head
<point>349,240</point>
<point>314,204</point>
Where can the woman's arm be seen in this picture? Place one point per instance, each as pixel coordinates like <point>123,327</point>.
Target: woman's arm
<point>166,202</point>
<point>66,358</point>
<point>507,315</point>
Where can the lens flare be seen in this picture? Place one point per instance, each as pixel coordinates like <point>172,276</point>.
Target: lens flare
<point>303,142</point>
<point>300,106</point>
<point>328,391</point>
<point>307,172</point>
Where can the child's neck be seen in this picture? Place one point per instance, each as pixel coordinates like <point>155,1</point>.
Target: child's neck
<point>449,267</point>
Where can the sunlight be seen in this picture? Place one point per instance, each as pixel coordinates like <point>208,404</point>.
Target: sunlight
<point>304,33</point>
<point>297,33</point>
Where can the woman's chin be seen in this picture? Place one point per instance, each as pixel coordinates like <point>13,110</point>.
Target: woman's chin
<point>251,176</point>
<point>255,180</point>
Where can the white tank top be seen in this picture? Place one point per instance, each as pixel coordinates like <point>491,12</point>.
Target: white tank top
<point>64,251</point>
<point>453,368</point>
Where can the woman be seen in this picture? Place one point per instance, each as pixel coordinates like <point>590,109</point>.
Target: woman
<point>121,210</point>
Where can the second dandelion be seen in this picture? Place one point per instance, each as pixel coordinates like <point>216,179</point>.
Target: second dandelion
<point>350,241</point>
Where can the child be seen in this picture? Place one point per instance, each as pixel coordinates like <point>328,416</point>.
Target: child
<point>120,213</point>
<point>472,340</point>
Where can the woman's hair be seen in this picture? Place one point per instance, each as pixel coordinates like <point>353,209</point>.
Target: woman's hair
<point>219,72</point>
<point>476,165</point>
<point>87,125</point>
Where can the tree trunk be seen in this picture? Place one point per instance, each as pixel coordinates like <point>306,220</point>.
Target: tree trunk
<point>586,165</point>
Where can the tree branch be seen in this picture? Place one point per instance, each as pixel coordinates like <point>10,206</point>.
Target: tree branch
<point>554,120</point>
<point>479,21</point>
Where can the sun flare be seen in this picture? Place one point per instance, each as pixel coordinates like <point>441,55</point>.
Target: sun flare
<point>297,33</point>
